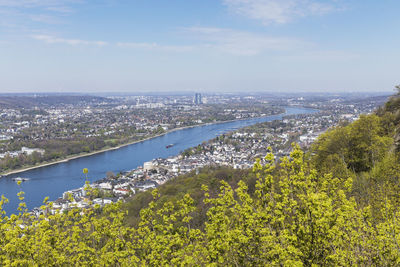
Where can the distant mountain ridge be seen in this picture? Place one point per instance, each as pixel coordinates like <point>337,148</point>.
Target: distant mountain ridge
<point>48,100</point>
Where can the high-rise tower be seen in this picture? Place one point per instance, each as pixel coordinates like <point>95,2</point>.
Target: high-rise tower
<point>197,99</point>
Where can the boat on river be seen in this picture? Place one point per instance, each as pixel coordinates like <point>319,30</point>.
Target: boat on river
<point>170,145</point>
<point>20,179</point>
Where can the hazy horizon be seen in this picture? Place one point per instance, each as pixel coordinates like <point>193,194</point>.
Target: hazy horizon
<point>205,93</point>
<point>268,46</point>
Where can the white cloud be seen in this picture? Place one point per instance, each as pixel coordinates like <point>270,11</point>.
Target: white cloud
<point>60,9</point>
<point>54,40</point>
<point>45,19</point>
<point>331,55</point>
<point>223,41</point>
<point>280,11</point>
<point>219,40</point>
<point>156,46</point>
<point>20,12</point>
<point>243,43</point>
<point>37,3</point>
<point>146,46</point>
<point>22,3</point>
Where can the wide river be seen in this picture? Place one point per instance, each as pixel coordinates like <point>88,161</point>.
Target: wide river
<point>55,179</point>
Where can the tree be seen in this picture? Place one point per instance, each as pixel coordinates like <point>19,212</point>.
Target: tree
<point>359,145</point>
<point>110,175</point>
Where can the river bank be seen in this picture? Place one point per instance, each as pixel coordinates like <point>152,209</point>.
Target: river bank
<point>52,181</point>
<point>72,157</point>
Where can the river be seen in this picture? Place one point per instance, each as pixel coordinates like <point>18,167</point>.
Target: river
<point>55,179</point>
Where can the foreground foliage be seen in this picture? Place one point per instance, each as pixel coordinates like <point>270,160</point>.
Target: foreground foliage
<point>295,217</point>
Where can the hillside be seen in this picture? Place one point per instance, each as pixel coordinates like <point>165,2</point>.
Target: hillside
<point>336,205</point>
<point>191,184</point>
<point>367,150</point>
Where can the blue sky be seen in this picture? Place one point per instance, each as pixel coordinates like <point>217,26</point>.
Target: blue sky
<point>199,45</point>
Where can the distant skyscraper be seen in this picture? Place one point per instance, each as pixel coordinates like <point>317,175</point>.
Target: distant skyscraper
<point>197,99</point>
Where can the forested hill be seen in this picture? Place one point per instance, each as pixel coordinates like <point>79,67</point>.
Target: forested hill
<point>393,107</point>
<point>335,205</point>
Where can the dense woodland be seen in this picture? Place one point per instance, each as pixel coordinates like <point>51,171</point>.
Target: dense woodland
<point>337,204</point>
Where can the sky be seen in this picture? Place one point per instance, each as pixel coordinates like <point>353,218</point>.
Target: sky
<point>89,46</point>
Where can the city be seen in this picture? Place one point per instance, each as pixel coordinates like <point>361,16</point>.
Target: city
<point>59,130</point>
<point>238,149</point>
